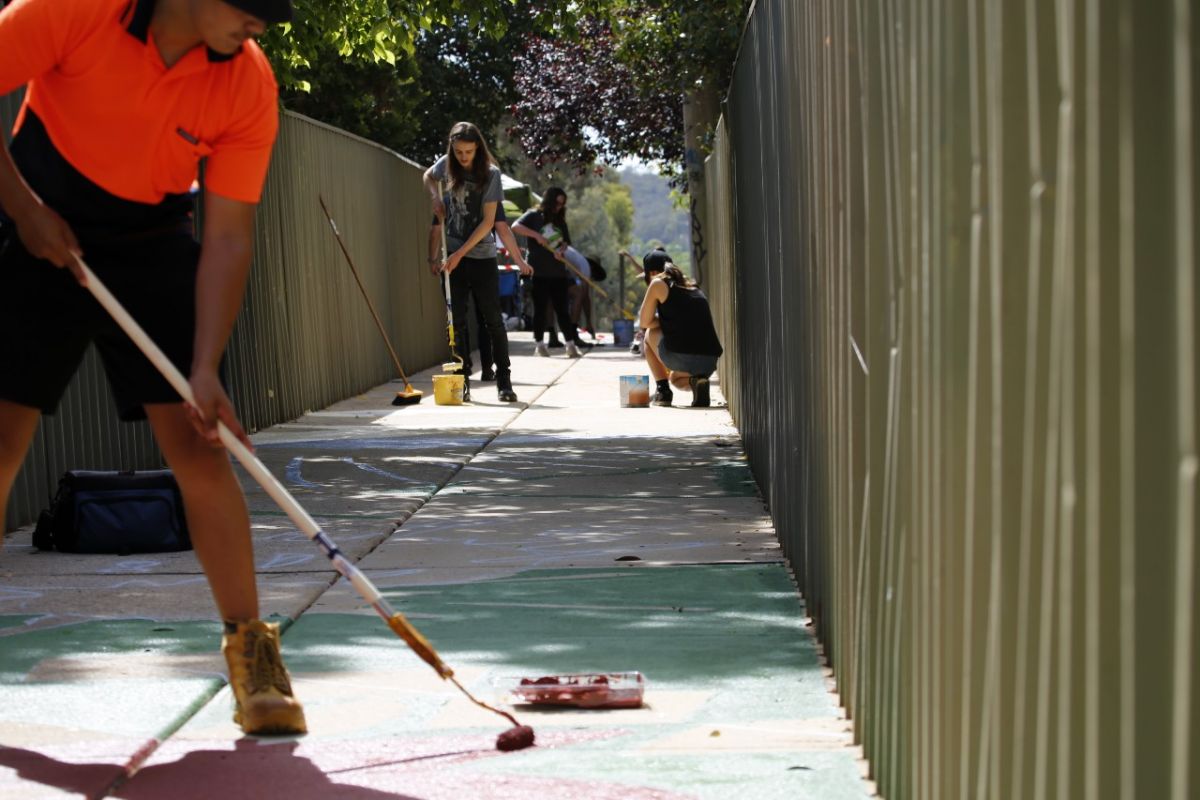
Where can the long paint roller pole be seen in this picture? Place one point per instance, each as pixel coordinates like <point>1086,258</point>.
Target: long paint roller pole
<point>446,282</point>
<point>395,620</point>
<point>450,321</point>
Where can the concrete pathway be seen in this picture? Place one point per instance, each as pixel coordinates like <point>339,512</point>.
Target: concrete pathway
<point>561,534</point>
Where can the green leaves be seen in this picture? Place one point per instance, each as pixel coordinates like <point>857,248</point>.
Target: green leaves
<point>367,31</point>
<point>622,73</point>
<point>586,81</point>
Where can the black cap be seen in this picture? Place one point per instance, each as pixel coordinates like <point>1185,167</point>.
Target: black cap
<point>655,261</point>
<point>267,10</point>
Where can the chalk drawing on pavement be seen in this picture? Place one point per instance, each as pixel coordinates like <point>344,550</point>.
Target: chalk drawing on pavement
<point>294,467</point>
<point>281,561</point>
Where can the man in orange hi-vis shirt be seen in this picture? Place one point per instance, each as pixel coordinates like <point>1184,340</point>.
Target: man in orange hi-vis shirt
<point>123,99</point>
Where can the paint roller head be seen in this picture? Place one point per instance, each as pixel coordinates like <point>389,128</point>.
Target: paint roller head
<point>515,738</point>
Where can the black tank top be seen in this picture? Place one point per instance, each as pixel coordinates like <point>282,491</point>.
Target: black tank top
<point>687,323</point>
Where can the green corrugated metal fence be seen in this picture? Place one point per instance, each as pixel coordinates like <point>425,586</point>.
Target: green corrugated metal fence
<point>953,254</point>
<point>306,338</point>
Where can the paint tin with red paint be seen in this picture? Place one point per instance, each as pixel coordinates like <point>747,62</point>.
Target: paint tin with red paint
<point>634,391</point>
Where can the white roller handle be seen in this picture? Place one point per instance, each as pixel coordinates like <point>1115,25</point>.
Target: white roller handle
<point>445,251</point>
<point>446,276</point>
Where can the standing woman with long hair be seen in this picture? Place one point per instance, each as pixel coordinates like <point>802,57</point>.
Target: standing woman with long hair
<point>473,193</point>
<point>548,234</point>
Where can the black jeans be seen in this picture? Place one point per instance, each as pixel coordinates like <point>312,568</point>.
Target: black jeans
<point>555,291</point>
<point>485,341</point>
<point>478,278</point>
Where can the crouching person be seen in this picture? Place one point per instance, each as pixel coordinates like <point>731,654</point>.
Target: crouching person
<point>681,345</point>
<point>124,98</point>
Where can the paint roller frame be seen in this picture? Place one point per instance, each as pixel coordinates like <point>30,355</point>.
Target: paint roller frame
<point>515,738</point>
<point>458,366</point>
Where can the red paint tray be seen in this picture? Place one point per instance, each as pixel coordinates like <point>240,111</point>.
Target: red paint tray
<point>581,690</point>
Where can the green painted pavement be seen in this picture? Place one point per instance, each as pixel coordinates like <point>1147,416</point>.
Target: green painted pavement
<point>729,638</point>
<point>737,703</point>
<point>681,626</point>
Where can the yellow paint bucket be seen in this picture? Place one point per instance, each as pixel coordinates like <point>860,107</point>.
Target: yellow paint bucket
<point>448,390</point>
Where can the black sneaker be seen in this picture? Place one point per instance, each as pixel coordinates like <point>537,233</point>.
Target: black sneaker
<point>504,388</point>
<point>662,397</point>
<point>466,389</point>
<point>555,342</point>
<point>699,391</point>
<point>488,375</point>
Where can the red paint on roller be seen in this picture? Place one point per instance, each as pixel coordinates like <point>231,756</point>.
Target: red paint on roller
<point>517,738</point>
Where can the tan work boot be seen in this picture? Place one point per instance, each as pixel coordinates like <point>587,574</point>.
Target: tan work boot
<point>262,691</point>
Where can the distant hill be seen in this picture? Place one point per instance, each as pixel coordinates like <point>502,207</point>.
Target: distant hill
<point>655,217</point>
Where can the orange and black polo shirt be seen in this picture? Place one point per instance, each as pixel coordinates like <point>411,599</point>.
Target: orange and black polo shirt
<point>102,98</point>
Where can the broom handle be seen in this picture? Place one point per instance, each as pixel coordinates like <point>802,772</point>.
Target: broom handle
<point>584,278</point>
<point>591,283</point>
<point>262,476</point>
<point>363,289</point>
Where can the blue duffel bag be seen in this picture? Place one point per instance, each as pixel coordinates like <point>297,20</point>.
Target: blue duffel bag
<point>114,512</point>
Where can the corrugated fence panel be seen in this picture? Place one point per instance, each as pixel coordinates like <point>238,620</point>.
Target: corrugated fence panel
<point>305,337</point>
<point>721,218</point>
<point>954,266</point>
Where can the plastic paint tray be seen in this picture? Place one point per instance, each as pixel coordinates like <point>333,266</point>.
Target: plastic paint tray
<point>580,690</point>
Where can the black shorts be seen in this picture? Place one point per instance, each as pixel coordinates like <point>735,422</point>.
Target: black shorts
<point>47,319</point>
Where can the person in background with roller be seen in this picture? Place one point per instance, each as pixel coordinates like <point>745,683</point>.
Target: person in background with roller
<point>473,183</point>
<point>502,229</point>
<point>681,343</point>
<point>546,229</point>
<point>123,99</point>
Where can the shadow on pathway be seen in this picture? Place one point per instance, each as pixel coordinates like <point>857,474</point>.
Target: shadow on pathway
<point>250,770</point>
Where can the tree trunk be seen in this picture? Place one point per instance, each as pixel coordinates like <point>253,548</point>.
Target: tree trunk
<point>700,106</point>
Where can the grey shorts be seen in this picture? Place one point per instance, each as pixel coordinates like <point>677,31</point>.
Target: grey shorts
<point>691,363</point>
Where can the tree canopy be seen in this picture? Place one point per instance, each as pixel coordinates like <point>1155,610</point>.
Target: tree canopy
<point>401,72</point>
<point>411,104</point>
<point>580,104</point>
<point>615,88</point>
<point>366,32</point>
<point>579,82</point>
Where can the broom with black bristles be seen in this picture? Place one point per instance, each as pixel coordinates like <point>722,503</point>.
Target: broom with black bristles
<point>408,396</point>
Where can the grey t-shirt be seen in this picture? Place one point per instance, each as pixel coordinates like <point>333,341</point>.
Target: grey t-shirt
<point>464,209</point>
